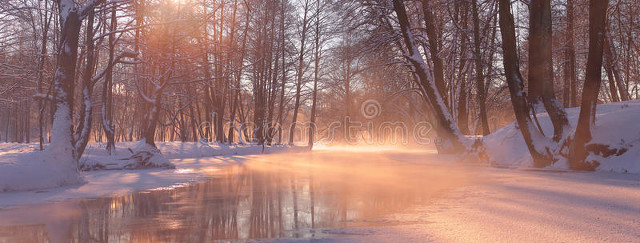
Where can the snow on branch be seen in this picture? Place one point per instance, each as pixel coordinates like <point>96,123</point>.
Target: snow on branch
<point>143,95</point>
<point>176,113</point>
<point>40,96</point>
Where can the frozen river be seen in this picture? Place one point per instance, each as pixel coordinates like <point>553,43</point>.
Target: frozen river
<point>348,196</point>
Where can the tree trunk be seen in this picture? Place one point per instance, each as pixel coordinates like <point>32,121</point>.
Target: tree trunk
<point>41,60</point>
<point>238,76</point>
<point>6,124</point>
<point>532,137</point>
<point>438,70</point>
<point>593,78</point>
<point>149,134</point>
<point>222,84</point>
<point>86,107</point>
<point>540,75</point>
<point>107,90</point>
<point>463,116</point>
<point>610,55</point>
<point>347,79</point>
<point>454,141</point>
<point>569,91</point>
<point>608,64</point>
<point>541,66</point>
<point>62,141</point>
<point>463,93</point>
<point>300,73</point>
<point>284,69</point>
<point>316,64</point>
<point>484,121</point>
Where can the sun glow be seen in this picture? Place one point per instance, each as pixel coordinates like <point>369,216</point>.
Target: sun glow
<point>359,148</point>
<point>347,148</point>
<point>178,2</point>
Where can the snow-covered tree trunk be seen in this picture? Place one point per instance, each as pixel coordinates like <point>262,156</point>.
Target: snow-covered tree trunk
<point>453,140</point>
<point>64,147</point>
<point>593,78</point>
<point>62,142</point>
<point>86,107</point>
<point>537,143</point>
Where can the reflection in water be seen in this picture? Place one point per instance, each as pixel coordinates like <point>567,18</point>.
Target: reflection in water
<point>272,196</point>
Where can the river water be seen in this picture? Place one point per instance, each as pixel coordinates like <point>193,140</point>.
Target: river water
<point>299,195</point>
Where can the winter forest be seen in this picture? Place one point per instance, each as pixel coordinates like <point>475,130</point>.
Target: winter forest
<point>111,98</point>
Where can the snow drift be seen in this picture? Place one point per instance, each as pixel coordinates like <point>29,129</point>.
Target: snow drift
<point>617,126</point>
<point>139,156</point>
<point>23,169</point>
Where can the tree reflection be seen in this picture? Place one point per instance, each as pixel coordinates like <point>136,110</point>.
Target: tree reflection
<point>261,199</point>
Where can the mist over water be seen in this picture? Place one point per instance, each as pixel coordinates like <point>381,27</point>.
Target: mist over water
<point>295,195</point>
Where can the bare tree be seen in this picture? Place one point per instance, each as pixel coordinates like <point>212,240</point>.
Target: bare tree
<point>316,70</point>
<point>63,142</point>
<point>107,88</point>
<point>301,66</point>
<point>591,89</point>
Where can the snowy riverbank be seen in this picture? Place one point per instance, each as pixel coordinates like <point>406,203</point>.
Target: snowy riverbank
<point>98,159</point>
<point>23,168</point>
<point>616,125</point>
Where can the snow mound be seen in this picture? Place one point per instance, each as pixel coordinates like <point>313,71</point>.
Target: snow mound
<point>616,127</point>
<point>22,170</point>
<point>146,156</point>
<point>141,156</point>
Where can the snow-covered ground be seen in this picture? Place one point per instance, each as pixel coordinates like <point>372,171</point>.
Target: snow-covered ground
<point>23,169</point>
<point>112,182</point>
<point>617,125</point>
<point>97,158</point>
